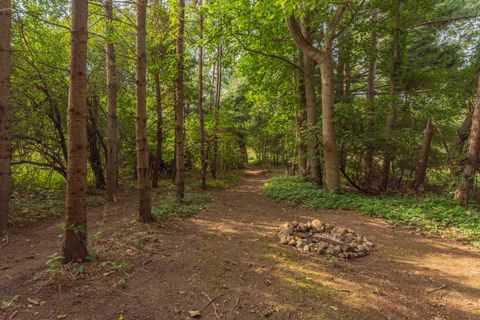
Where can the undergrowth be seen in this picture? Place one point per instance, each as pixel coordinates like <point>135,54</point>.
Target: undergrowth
<point>172,208</point>
<point>434,213</point>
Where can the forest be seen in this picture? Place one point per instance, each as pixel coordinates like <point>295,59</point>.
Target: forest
<point>239,159</point>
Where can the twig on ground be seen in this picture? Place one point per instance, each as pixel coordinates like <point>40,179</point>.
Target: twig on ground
<point>7,241</point>
<point>436,289</point>
<point>210,302</point>
<point>13,314</point>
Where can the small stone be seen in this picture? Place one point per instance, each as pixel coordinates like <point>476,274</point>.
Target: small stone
<point>338,231</point>
<point>292,242</point>
<point>299,244</point>
<point>283,240</point>
<point>328,227</point>
<point>318,225</point>
<point>336,250</point>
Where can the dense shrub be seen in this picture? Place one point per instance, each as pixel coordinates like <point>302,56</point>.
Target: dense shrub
<point>433,213</point>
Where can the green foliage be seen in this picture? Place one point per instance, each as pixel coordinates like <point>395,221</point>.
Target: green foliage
<point>433,213</point>
<point>173,208</point>
<point>54,261</point>
<point>7,303</point>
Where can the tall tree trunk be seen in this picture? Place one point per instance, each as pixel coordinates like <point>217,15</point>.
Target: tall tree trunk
<point>371,92</point>
<point>5,138</point>
<point>179,105</point>
<point>112,123</point>
<point>330,151</point>
<point>94,156</point>
<point>158,167</point>
<point>465,184</point>
<point>394,90</point>
<point>75,246</point>
<point>340,74</point>
<point>143,179</point>
<point>324,58</point>
<point>421,171</point>
<point>300,127</point>
<point>218,90</point>
<point>203,162</point>
<point>313,158</point>
<point>301,150</point>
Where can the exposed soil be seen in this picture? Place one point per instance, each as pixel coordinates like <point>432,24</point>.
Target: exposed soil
<point>230,252</point>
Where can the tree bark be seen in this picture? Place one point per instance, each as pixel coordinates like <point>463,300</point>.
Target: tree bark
<point>371,92</point>
<point>324,58</point>
<point>5,136</point>
<point>180,105</point>
<point>465,184</point>
<point>94,156</point>
<point>313,158</point>
<point>112,122</point>
<point>394,90</point>
<point>158,166</point>
<point>299,88</point>
<point>75,245</point>
<point>332,159</point>
<point>216,115</point>
<point>421,171</point>
<point>203,162</point>
<point>143,179</point>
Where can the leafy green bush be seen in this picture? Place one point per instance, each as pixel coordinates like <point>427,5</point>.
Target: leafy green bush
<point>171,207</point>
<point>433,213</point>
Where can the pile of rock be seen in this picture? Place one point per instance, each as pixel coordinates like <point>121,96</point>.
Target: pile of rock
<point>324,238</point>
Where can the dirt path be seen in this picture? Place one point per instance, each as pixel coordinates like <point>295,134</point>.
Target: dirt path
<point>230,252</point>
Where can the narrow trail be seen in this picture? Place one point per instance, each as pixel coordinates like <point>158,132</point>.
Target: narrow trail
<point>230,253</point>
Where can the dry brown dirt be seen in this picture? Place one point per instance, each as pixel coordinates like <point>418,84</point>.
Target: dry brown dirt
<point>230,253</point>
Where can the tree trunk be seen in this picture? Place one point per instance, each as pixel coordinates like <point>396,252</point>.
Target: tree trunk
<point>371,92</point>
<point>94,156</point>
<point>179,105</point>
<point>5,138</point>
<point>143,179</point>
<point>421,171</point>
<point>75,246</point>
<point>218,90</point>
<point>311,105</point>
<point>324,58</point>
<point>158,166</point>
<point>465,184</point>
<point>394,83</point>
<point>112,123</point>
<point>299,128</point>
<point>301,150</point>
<point>332,159</point>
<point>203,162</point>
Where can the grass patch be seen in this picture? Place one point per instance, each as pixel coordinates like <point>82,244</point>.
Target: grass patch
<point>432,213</point>
<point>172,208</point>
